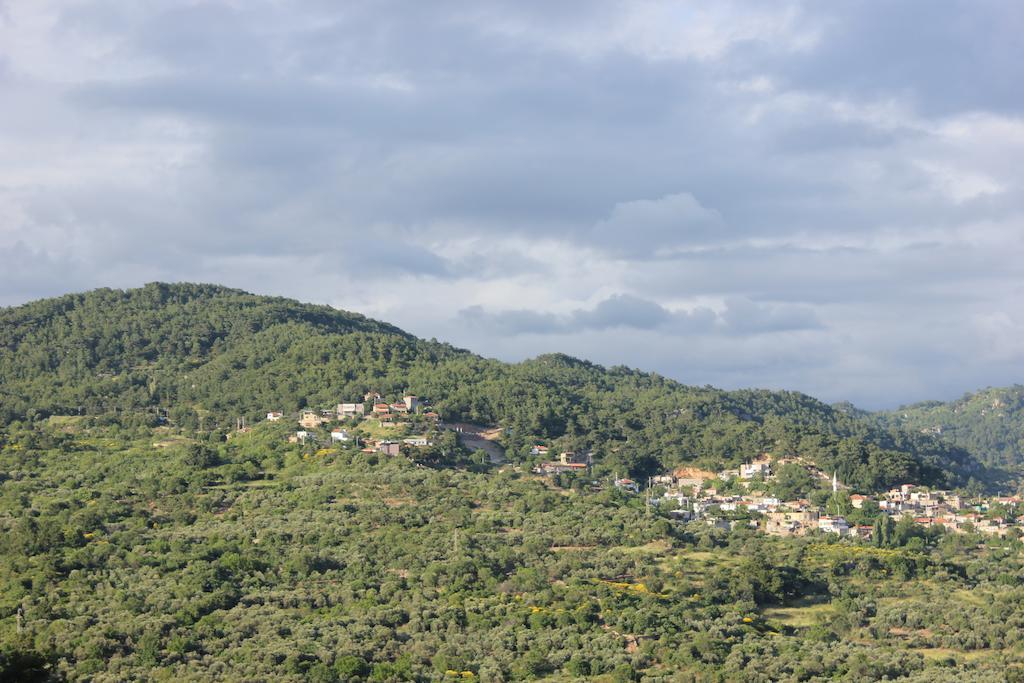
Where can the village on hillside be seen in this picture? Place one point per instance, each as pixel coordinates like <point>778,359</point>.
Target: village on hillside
<point>691,494</point>
<point>387,419</point>
<point>726,499</point>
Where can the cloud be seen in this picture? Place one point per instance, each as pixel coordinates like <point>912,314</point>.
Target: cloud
<point>31,274</point>
<point>513,322</point>
<point>646,227</point>
<point>728,194</point>
<point>742,316</point>
<point>934,57</point>
<point>617,311</point>
<point>621,310</point>
<point>625,311</point>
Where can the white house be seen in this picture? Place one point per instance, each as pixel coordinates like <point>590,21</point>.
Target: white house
<point>340,435</point>
<point>756,468</point>
<point>681,499</point>
<point>834,525</point>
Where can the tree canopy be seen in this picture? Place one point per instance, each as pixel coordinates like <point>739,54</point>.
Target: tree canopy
<point>203,356</point>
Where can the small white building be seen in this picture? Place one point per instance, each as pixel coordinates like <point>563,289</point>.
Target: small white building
<point>681,500</point>
<point>763,504</point>
<point>757,468</point>
<point>340,435</point>
<point>301,437</point>
<point>834,525</point>
<point>274,416</point>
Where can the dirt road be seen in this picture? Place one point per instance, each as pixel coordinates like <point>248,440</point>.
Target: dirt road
<point>476,437</point>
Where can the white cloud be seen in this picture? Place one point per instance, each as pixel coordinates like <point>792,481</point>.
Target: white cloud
<point>660,29</point>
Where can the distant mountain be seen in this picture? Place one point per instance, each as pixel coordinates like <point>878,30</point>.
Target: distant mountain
<point>988,423</point>
<point>204,355</point>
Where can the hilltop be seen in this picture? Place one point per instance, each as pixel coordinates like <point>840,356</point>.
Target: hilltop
<point>204,355</point>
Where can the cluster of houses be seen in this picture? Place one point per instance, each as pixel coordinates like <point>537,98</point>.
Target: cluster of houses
<point>690,495</point>
<point>948,509</point>
<point>379,410</point>
<point>925,507</point>
<point>373,407</point>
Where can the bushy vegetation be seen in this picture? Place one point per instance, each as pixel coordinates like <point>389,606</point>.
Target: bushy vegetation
<point>148,554</point>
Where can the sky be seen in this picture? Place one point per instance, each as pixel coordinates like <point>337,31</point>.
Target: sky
<point>818,196</point>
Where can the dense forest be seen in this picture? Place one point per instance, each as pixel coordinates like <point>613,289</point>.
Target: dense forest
<point>988,423</point>
<point>202,356</point>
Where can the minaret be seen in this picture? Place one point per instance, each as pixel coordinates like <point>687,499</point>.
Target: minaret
<point>835,482</point>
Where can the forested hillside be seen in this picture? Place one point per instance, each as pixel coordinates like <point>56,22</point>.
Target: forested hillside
<point>144,537</point>
<point>989,423</point>
<point>205,355</point>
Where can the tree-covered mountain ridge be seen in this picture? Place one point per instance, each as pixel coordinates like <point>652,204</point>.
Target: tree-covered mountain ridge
<point>989,423</point>
<point>205,355</point>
